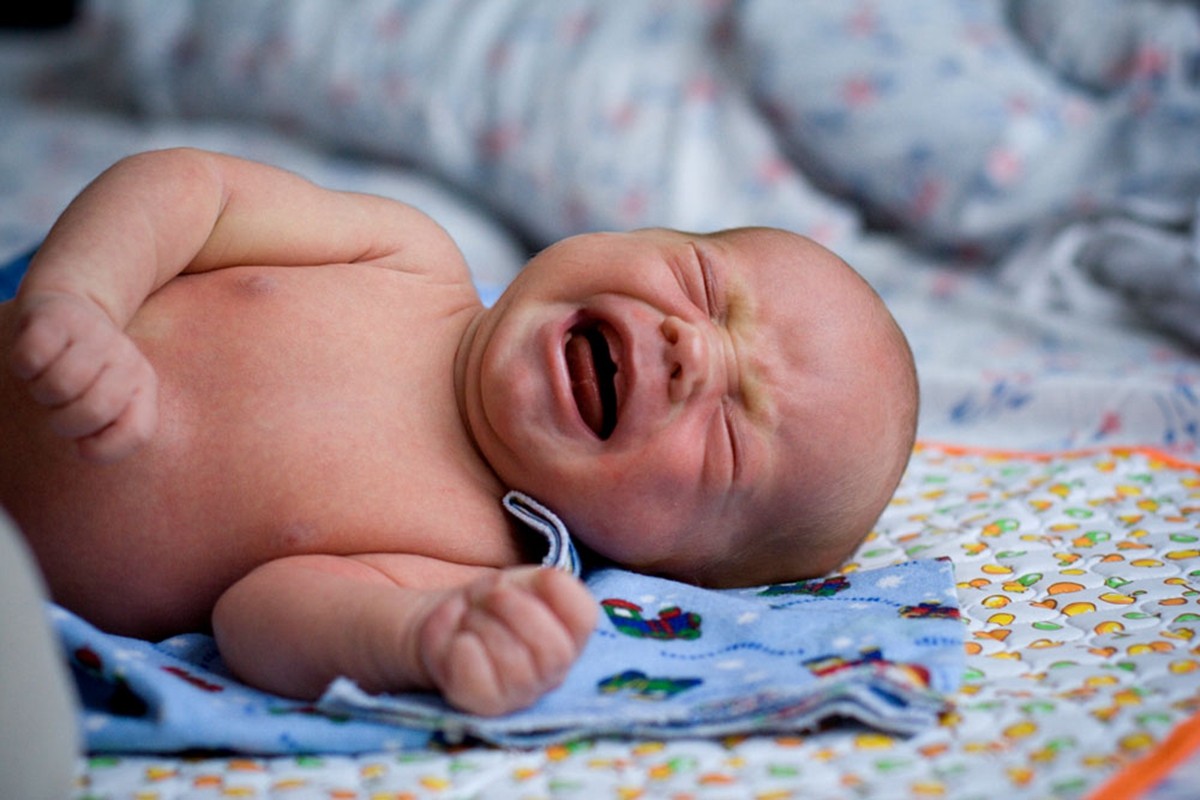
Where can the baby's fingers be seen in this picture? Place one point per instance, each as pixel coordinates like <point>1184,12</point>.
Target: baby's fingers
<point>60,348</point>
<point>116,414</point>
<point>549,612</point>
<point>69,375</point>
<point>531,645</point>
<point>40,341</point>
<point>570,601</point>
<point>99,387</point>
<point>506,640</point>
<point>527,641</point>
<point>471,681</point>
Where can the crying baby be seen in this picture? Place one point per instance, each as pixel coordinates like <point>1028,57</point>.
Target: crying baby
<point>241,402</point>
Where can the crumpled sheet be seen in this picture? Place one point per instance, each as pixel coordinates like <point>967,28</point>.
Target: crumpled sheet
<point>960,125</point>
<point>1116,268</point>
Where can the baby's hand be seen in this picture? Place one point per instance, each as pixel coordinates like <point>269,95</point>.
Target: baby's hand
<point>100,389</point>
<point>504,640</point>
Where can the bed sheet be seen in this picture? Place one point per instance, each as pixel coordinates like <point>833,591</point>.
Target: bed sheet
<point>1057,700</point>
<point>997,373</point>
<point>49,151</point>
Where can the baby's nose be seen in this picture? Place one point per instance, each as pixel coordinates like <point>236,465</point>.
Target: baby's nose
<point>686,357</point>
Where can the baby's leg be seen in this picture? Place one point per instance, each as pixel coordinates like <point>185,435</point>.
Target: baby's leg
<point>500,642</point>
<point>39,741</point>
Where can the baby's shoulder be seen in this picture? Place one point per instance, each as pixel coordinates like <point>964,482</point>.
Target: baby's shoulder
<point>416,243</point>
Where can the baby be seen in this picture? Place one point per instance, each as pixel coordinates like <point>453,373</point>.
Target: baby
<point>239,400</point>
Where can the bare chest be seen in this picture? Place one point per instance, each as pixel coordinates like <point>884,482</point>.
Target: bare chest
<point>320,408</point>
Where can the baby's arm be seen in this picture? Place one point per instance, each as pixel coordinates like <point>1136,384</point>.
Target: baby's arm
<point>156,215</point>
<point>490,641</point>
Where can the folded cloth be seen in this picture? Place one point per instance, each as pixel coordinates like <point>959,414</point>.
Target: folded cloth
<point>175,695</point>
<point>1139,265</point>
<point>668,660</point>
<point>881,647</point>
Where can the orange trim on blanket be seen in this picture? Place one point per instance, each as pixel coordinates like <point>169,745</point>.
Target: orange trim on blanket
<point>1146,772</point>
<point>1170,460</point>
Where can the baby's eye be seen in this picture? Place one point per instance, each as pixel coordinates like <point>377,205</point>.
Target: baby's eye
<point>727,408</point>
<point>708,283</point>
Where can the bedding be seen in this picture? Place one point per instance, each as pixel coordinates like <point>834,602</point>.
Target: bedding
<point>671,661</point>
<point>1076,574</point>
<point>1060,418</point>
<point>882,647</point>
<point>968,124</point>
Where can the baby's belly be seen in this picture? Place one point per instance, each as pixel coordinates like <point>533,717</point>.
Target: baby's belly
<point>117,543</point>
<point>145,546</point>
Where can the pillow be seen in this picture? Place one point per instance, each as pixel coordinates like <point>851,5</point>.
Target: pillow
<point>561,115</point>
<point>931,115</point>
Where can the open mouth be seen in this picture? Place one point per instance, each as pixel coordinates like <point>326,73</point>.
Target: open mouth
<point>593,372</point>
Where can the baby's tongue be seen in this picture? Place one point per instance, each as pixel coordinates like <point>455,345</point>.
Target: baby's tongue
<point>584,384</point>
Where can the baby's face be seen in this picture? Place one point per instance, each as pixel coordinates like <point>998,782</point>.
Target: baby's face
<point>662,391</point>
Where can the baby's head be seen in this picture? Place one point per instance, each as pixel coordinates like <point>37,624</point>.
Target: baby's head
<point>729,409</point>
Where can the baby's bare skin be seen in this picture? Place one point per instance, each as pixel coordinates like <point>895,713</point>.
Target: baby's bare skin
<point>307,421</point>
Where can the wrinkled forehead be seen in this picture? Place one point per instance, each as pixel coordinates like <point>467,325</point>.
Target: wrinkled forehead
<point>791,276</point>
<point>830,368</point>
<point>808,322</point>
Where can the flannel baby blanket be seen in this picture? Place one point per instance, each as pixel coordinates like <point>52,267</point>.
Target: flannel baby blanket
<point>880,646</point>
<point>669,659</point>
